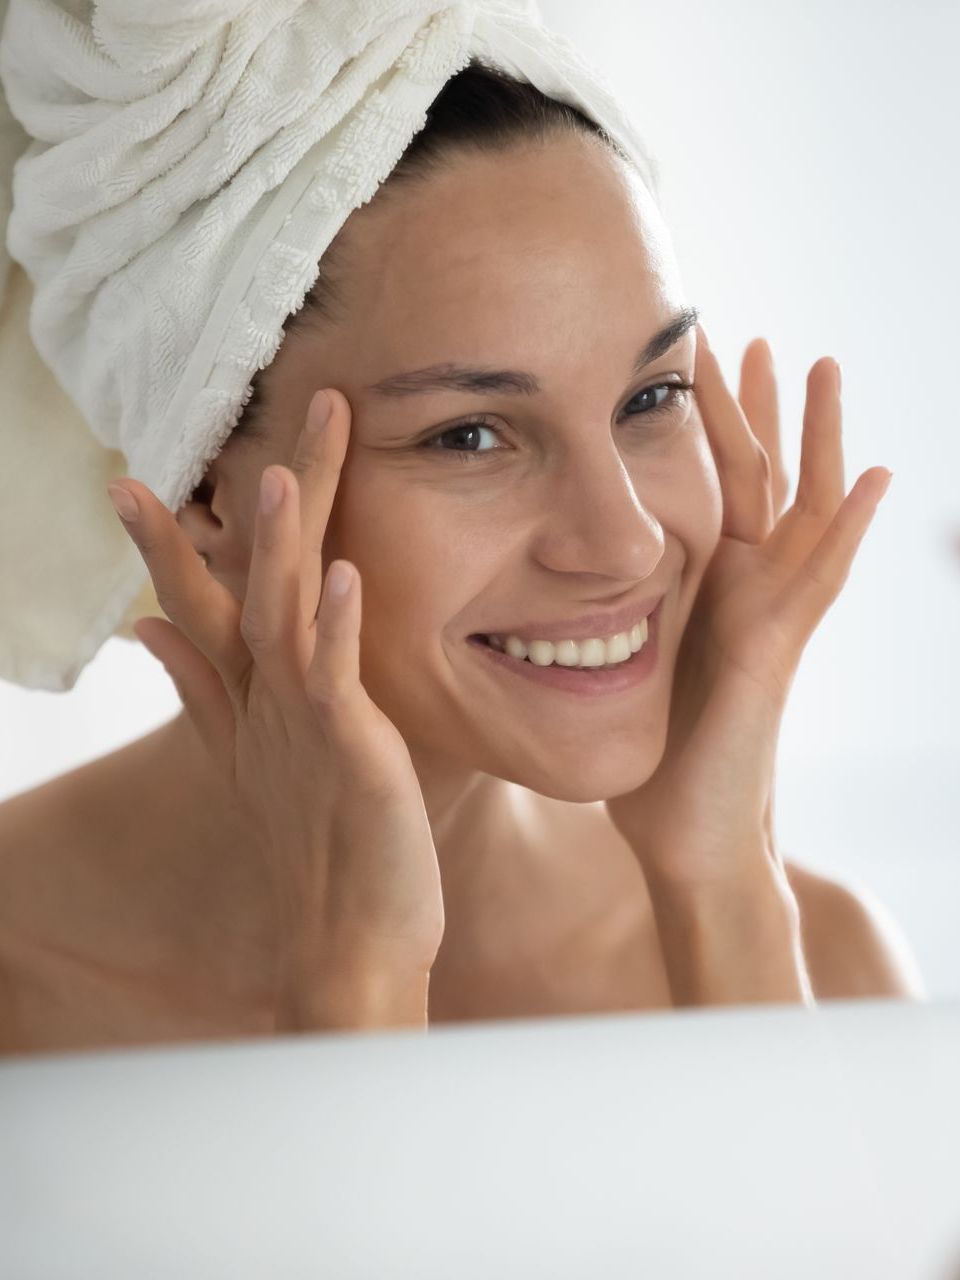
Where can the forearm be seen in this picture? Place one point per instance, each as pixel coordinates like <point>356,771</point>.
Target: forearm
<point>733,943</point>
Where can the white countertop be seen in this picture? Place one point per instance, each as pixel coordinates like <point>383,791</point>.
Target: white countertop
<point>771,1142</point>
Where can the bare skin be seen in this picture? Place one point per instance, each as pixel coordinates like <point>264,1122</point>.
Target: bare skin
<point>133,931</point>
<point>121,925</point>
<point>132,903</point>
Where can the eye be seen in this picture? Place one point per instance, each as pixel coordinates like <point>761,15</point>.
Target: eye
<point>676,395</point>
<point>466,430</point>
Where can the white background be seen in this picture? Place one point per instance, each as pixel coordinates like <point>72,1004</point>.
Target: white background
<point>808,169</point>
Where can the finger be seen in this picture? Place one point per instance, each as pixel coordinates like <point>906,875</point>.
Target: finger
<point>760,402</point>
<point>333,684</point>
<point>196,681</point>
<point>333,679</point>
<point>194,601</point>
<point>821,577</point>
<point>270,622</point>
<point>318,464</point>
<point>742,463</point>
<point>820,488</point>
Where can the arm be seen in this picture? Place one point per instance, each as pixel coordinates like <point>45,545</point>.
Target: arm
<point>701,823</point>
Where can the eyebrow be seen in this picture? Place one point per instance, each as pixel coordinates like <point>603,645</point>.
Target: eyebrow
<point>479,381</point>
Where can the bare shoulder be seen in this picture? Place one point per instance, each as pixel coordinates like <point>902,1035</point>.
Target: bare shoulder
<point>30,828</point>
<point>59,846</point>
<point>76,818</point>
<point>44,833</point>
<point>853,945</point>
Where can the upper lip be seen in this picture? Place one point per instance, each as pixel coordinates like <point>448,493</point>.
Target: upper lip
<point>586,626</point>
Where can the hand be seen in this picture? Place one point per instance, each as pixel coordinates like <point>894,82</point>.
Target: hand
<point>704,816</point>
<point>273,689</point>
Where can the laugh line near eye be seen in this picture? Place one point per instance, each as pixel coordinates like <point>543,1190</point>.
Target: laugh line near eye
<point>677,397</point>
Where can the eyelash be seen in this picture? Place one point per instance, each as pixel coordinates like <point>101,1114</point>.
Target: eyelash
<point>677,391</point>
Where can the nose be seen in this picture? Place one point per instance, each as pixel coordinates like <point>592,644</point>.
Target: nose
<point>597,522</point>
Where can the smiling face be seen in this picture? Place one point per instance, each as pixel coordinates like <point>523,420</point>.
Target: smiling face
<point>596,490</point>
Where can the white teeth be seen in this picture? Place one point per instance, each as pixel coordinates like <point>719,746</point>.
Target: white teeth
<point>570,653</point>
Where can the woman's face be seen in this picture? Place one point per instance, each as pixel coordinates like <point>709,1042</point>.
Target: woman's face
<point>548,259</point>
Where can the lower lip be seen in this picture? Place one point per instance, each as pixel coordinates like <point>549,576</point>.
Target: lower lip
<point>585,683</point>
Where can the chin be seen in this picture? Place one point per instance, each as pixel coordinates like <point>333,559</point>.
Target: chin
<point>583,782</point>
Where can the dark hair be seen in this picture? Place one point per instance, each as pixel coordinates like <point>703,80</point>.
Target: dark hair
<point>481,108</point>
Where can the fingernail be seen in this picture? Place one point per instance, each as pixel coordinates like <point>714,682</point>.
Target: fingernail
<point>887,484</point>
<point>124,503</point>
<point>271,491</point>
<point>318,412</point>
<point>339,579</point>
<point>839,376</point>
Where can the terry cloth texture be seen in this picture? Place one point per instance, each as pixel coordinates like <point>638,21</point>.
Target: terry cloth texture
<point>171,172</point>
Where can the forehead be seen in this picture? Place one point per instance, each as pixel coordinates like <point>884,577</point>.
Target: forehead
<point>499,242</point>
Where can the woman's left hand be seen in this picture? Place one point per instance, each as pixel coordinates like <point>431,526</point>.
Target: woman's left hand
<point>704,817</point>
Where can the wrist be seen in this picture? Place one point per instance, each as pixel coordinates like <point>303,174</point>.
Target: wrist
<point>749,867</point>
<point>732,940</point>
<point>757,877</point>
<point>337,993</point>
<point>754,907</point>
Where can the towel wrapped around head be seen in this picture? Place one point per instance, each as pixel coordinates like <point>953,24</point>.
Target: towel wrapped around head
<point>173,173</point>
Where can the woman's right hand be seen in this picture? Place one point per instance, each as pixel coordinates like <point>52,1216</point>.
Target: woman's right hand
<point>273,689</point>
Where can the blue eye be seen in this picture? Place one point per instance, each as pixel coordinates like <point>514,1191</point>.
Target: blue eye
<point>677,395</point>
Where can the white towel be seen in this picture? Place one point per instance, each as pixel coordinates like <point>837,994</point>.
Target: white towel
<point>181,167</point>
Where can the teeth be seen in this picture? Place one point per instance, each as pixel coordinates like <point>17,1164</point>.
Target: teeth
<point>570,653</point>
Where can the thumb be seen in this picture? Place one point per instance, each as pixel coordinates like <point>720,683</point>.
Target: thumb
<point>197,682</point>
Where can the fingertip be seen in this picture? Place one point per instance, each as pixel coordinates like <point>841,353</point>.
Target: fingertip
<point>320,410</point>
<point>143,636</point>
<point>340,579</point>
<point>272,489</point>
<point>765,350</point>
<point>124,503</point>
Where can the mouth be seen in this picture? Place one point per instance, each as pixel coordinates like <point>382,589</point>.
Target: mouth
<point>588,681</point>
<point>607,622</point>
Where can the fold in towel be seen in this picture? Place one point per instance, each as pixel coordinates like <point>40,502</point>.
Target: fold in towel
<point>173,172</point>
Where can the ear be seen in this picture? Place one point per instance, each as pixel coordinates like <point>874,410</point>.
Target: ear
<point>200,518</point>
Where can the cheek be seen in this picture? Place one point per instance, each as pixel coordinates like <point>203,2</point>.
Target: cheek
<point>420,576</point>
<point>702,495</point>
<point>420,564</point>
<point>682,489</point>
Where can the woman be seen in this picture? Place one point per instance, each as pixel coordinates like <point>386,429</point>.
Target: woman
<point>398,824</point>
